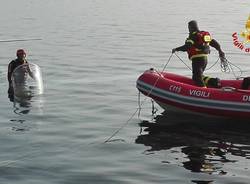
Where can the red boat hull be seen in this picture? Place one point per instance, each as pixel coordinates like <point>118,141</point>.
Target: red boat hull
<point>179,92</point>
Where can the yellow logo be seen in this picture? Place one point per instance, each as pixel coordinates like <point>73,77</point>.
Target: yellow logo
<point>207,38</point>
<point>245,34</point>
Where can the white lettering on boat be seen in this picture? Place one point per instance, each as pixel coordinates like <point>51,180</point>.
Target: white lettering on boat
<point>199,93</point>
<point>175,89</point>
<point>246,98</point>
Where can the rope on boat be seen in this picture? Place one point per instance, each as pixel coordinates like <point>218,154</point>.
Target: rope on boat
<point>225,65</point>
<point>139,104</point>
<point>213,64</point>
<point>191,68</point>
<point>183,62</point>
<point>231,67</point>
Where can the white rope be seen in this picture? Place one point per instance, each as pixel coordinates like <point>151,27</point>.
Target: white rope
<point>139,103</point>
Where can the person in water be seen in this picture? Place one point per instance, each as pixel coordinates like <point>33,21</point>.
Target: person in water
<point>20,60</point>
<point>197,46</point>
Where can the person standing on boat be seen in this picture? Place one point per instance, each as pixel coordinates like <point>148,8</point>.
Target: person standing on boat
<point>197,46</point>
<point>20,60</point>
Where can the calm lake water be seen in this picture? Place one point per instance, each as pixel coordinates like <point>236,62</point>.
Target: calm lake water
<point>91,53</point>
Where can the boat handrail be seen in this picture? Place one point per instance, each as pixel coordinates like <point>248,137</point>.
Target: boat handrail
<point>228,89</point>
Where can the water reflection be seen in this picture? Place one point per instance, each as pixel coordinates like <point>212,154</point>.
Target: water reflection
<point>22,105</point>
<point>19,126</point>
<point>207,143</point>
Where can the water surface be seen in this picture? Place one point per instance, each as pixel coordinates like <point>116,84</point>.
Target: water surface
<point>91,53</point>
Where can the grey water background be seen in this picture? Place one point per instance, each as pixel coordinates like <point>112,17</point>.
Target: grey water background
<point>91,53</point>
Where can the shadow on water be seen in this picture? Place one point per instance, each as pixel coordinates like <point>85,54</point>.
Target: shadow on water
<point>207,143</point>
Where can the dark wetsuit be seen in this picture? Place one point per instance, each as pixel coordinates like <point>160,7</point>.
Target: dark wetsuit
<point>199,63</point>
<point>198,67</point>
<point>12,66</point>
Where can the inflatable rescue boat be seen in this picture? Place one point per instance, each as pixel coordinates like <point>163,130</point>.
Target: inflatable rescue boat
<point>179,93</point>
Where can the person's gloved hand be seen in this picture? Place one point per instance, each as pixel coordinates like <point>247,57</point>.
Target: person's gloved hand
<point>173,50</point>
<point>222,57</point>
